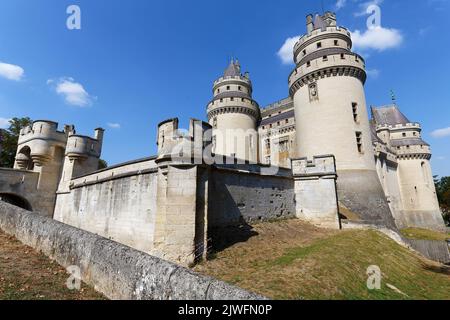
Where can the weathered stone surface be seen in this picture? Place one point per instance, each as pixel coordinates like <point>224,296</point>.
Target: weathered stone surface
<point>237,196</point>
<point>116,270</point>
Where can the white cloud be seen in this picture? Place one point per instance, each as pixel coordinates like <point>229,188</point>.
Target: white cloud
<point>114,125</point>
<point>11,71</point>
<point>4,123</point>
<point>286,52</point>
<point>340,4</point>
<point>72,92</point>
<point>441,133</point>
<point>377,38</point>
<point>373,73</point>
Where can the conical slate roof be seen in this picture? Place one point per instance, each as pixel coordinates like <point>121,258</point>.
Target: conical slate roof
<point>389,115</point>
<point>233,70</point>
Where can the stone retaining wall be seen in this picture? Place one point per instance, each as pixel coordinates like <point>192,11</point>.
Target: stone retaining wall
<point>117,271</point>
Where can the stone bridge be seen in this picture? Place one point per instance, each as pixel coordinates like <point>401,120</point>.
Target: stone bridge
<point>20,188</point>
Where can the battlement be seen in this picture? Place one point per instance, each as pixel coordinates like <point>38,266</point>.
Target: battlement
<point>80,147</point>
<point>185,145</point>
<point>322,31</point>
<point>42,130</point>
<point>319,166</point>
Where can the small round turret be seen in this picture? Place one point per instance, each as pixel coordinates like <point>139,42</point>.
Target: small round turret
<point>234,115</point>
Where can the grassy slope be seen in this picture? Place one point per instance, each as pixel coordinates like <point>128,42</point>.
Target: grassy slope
<point>423,234</point>
<point>281,264</point>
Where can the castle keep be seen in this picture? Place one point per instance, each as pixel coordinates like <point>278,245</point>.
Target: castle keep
<point>314,155</point>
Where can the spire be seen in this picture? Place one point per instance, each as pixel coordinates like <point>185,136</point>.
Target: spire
<point>234,69</point>
<point>394,99</point>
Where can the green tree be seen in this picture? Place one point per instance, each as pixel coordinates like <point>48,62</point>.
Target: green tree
<point>9,139</point>
<point>102,164</point>
<point>443,193</point>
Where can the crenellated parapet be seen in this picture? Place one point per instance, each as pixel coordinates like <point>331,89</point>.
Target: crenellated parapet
<point>81,147</point>
<point>37,143</point>
<point>319,166</point>
<point>326,66</point>
<point>183,146</point>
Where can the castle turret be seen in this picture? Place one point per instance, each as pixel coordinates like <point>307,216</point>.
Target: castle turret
<point>82,155</point>
<point>327,86</point>
<point>234,115</point>
<point>41,149</point>
<point>419,205</point>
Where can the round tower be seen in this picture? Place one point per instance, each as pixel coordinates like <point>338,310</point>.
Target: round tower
<point>234,115</point>
<point>327,87</point>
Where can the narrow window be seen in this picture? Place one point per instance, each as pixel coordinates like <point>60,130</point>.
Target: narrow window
<point>325,58</point>
<point>287,120</point>
<point>308,64</point>
<point>215,123</point>
<point>355,111</point>
<point>239,88</point>
<point>218,90</point>
<point>228,87</point>
<point>319,45</point>
<point>304,52</point>
<point>336,43</point>
<point>342,56</point>
<point>404,134</point>
<point>359,142</point>
<point>278,123</point>
<point>232,99</point>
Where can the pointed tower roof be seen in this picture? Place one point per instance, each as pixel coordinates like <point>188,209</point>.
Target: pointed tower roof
<point>233,70</point>
<point>389,115</point>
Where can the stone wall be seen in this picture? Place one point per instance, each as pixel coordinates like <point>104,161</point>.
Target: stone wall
<point>119,204</point>
<point>245,195</point>
<point>22,185</point>
<point>433,250</point>
<point>117,271</point>
<point>315,191</point>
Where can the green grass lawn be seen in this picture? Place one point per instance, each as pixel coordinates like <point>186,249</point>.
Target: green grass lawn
<point>332,267</point>
<point>424,234</point>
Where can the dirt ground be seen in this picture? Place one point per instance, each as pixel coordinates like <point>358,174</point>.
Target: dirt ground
<point>28,275</point>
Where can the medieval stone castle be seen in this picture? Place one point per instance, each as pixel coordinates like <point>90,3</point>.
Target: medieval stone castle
<point>314,156</point>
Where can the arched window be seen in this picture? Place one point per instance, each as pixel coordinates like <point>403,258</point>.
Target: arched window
<point>23,159</point>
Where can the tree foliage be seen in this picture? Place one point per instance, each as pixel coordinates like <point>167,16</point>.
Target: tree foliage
<point>9,139</point>
<point>102,164</point>
<point>443,193</point>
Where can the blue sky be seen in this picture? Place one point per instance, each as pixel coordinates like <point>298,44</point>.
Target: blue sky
<point>136,63</point>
